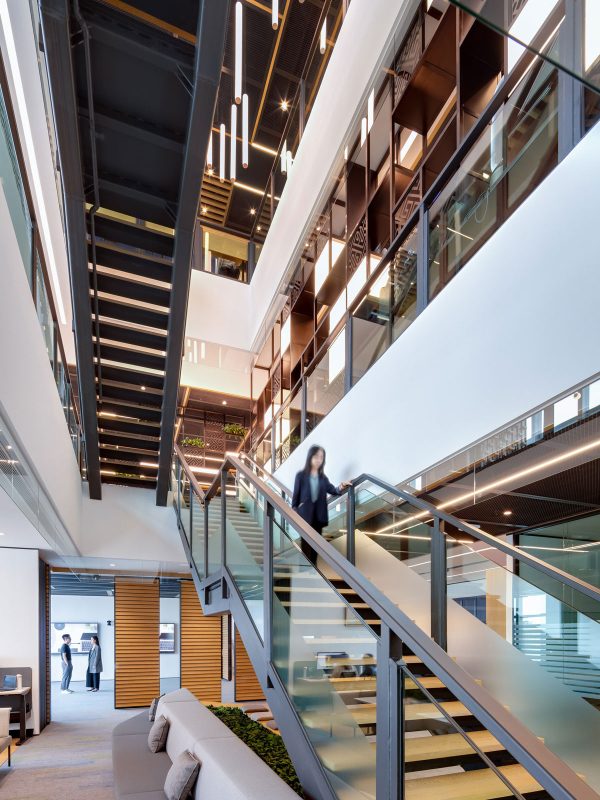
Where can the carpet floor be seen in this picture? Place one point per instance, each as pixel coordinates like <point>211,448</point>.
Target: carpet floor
<point>71,758</point>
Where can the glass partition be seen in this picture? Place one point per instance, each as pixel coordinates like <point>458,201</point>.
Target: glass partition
<point>325,384</point>
<point>214,533</point>
<point>198,535</point>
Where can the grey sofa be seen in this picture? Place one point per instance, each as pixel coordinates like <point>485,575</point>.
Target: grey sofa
<point>229,769</point>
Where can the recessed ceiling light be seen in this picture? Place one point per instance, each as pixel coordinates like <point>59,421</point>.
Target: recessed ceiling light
<point>486,176</point>
<point>113,565</point>
<point>284,105</point>
<point>211,172</point>
<point>224,403</point>
<point>9,446</point>
<point>204,210</point>
<point>259,228</point>
<point>306,245</point>
<point>507,513</point>
<point>143,388</point>
<point>253,211</point>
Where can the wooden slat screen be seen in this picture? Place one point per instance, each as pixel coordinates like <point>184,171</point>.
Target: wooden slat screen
<point>200,648</point>
<point>137,655</point>
<point>247,686</point>
<point>226,647</point>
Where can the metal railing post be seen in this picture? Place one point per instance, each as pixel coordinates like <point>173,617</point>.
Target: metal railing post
<point>389,759</point>
<point>422,258</point>
<point>223,517</point>
<point>303,410</point>
<point>351,531</point>
<point>268,580</point>
<point>348,355</point>
<point>439,622</point>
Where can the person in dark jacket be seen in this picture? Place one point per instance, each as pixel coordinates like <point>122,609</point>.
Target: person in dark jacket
<point>311,488</point>
<point>92,678</point>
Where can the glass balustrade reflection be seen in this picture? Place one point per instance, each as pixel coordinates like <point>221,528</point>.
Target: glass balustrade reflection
<point>326,657</point>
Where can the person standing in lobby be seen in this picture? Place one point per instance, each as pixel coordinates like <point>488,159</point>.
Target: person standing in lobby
<point>92,678</point>
<point>67,665</point>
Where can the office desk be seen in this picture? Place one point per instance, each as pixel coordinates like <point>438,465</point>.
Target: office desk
<point>16,700</point>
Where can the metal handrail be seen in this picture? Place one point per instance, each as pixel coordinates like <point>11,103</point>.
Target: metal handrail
<point>191,477</point>
<point>486,538</point>
<point>551,772</point>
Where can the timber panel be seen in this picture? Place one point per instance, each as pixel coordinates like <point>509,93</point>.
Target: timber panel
<point>247,686</point>
<point>200,648</point>
<point>137,655</point>
<point>226,647</point>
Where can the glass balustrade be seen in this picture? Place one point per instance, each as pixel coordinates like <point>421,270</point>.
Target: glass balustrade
<point>326,658</point>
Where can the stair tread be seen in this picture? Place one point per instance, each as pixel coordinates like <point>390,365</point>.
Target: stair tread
<point>479,784</point>
<point>429,748</point>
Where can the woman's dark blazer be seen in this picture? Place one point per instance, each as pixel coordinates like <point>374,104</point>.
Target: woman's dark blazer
<point>302,502</point>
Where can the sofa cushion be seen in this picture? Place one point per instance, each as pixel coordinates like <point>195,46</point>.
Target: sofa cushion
<point>231,770</point>
<point>135,768</point>
<point>182,777</point>
<point>157,738</point>
<point>136,724</point>
<point>177,696</point>
<point>153,707</point>
<point>188,723</point>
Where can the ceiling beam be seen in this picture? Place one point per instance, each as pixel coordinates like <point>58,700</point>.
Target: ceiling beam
<point>212,28</point>
<point>57,46</point>
<point>137,130</point>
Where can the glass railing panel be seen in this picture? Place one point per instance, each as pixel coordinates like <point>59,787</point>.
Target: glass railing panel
<point>198,535</point>
<point>245,547</point>
<point>573,546</point>
<point>371,331</point>
<point>44,313</point>
<point>185,495</point>
<point>443,746</point>
<point>14,191</point>
<point>326,657</point>
<point>325,384</point>
<point>214,533</point>
<point>403,272</point>
<point>511,157</point>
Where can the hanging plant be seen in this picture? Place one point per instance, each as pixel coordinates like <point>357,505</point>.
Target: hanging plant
<point>193,441</point>
<point>234,429</point>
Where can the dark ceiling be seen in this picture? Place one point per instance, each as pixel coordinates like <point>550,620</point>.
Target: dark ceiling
<point>91,584</point>
<point>133,102</point>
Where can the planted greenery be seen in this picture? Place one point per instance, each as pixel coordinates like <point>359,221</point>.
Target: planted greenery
<point>193,441</point>
<point>234,429</point>
<point>266,744</point>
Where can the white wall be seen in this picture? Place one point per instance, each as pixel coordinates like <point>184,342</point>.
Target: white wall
<point>516,326</point>
<point>28,394</point>
<point>19,620</point>
<point>127,524</point>
<point>81,608</point>
<point>229,313</point>
<point>75,608</point>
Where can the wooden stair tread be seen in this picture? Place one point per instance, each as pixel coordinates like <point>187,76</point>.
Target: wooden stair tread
<point>428,748</point>
<point>479,784</point>
<point>422,711</point>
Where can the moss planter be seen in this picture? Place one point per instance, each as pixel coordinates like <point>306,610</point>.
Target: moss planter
<point>266,744</point>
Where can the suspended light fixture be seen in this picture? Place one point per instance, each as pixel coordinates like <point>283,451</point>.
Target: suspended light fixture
<point>275,14</point>
<point>239,38</point>
<point>290,161</point>
<point>371,110</point>
<point>323,46</point>
<point>284,158</point>
<point>209,153</point>
<point>222,153</point>
<point>245,131</point>
<point>233,145</point>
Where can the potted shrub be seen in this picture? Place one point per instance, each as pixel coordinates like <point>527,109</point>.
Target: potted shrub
<point>193,441</point>
<point>235,430</point>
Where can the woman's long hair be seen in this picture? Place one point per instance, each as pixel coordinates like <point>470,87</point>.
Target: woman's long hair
<point>96,640</point>
<point>311,452</point>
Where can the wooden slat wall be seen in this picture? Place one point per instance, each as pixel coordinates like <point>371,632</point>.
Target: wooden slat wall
<point>247,686</point>
<point>200,645</point>
<point>137,656</point>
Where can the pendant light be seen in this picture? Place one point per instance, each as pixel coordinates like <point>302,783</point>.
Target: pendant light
<point>275,14</point>
<point>233,145</point>
<point>323,44</point>
<point>245,131</point>
<point>284,158</point>
<point>239,38</point>
<point>209,153</point>
<point>222,153</point>
<point>371,110</point>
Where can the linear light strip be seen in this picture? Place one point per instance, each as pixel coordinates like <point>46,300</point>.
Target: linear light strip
<point>245,159</point>
<point>239,38</point>
<point>275,14</point>
<point>222,153</point>
<point>233,143</point>
<point>30,149</point>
